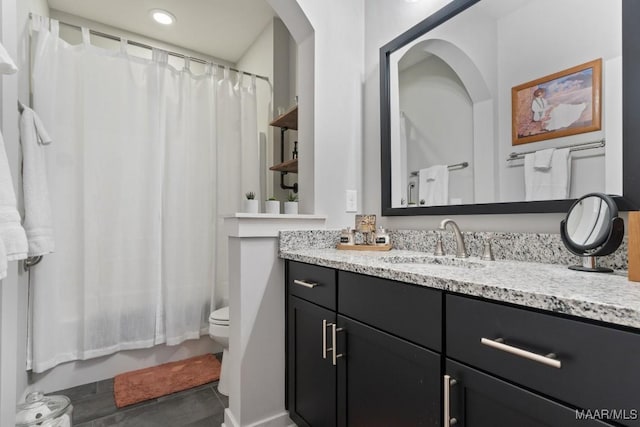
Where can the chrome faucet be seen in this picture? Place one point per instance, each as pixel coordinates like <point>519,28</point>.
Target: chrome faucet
<point>461,251</point>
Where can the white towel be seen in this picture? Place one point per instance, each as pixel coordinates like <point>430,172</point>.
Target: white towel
<point>7,66</point>
<point>11,232</point>
<point>38,221</point>
<point>433,185</point>
<point>542,158</point>
<point>548,184</point>
<point>3,261</point>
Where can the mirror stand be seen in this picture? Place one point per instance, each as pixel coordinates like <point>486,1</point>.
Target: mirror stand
<point>589,264</point>
<point>592,228</point>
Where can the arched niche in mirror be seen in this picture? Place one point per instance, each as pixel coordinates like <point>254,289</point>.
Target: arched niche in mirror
<point>432,81</point>
<point>592,228</point>
<point>517,59</point>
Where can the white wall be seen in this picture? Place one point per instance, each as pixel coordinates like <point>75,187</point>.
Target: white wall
<point>258,59</point>
<point>431,93</point>
<point>576,32</point>
<point>303,37</point>
<point>337,120</point>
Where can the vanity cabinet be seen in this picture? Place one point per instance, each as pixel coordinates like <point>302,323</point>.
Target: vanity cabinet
<point>349,362</point>
<point>366,351</point>
<point>585,365</point>
<point>478,399</point>
<point>312,378</point>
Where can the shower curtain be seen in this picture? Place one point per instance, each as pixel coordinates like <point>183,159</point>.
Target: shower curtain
<point>145,161</point>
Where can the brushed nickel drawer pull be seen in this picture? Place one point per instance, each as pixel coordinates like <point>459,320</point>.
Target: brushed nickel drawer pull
<point>448,382</point>
<point>334,348</point>
<point>306,284</point>
<point>324,338</point>
<point>499,344</point>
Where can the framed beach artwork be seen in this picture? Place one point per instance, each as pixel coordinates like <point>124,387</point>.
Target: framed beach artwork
<point>560,104</point>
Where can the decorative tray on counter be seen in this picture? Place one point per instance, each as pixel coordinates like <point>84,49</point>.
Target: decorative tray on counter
<point>344,247</point>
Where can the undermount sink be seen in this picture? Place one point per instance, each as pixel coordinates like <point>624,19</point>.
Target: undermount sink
<point>434,260</point>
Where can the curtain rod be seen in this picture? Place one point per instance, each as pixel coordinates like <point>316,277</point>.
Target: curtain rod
<point>176,54</point>
<point>573,147</point>
<point>461,165</point>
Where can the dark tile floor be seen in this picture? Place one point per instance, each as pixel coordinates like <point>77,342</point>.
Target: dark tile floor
<point>94,406</point>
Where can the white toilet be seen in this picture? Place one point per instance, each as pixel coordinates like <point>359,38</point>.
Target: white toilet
<point>219,332</point>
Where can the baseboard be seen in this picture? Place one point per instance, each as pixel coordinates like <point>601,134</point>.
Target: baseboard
<point>279,420</point>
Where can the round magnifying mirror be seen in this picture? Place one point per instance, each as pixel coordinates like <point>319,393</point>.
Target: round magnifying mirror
<point>592,228</point>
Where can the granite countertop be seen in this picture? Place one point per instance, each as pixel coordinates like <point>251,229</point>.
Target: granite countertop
<point>605,297</point>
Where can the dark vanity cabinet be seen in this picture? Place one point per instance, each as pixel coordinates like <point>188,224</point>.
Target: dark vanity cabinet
<point>366,351</point>
<point>570,364</point>
<point>479,399</point>
<point>358,358</point>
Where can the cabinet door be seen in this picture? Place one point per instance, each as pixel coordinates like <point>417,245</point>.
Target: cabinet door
<point>480,400</point>
<point>384,380</point>
<point>312,378</point>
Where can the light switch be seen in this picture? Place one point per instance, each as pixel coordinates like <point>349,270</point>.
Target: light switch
<point>352,201</point>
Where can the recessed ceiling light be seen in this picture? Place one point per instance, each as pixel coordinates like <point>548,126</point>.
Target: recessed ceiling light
<point>162,16</point>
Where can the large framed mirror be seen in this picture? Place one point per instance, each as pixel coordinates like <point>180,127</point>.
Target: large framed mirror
<point>447,116</point>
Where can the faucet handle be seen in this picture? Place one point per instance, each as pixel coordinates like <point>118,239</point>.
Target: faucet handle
<point>487,253</point>
<point>439,251</point>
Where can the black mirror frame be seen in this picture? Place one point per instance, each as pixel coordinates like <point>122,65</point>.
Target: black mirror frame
<point>630,200</point>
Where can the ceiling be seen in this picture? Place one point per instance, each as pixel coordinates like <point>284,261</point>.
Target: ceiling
<point>224,29</point>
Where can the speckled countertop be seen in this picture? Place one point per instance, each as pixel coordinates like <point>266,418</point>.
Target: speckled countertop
<point>606,297</point>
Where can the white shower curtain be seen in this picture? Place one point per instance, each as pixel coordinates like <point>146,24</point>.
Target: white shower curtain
<point>136,197</point>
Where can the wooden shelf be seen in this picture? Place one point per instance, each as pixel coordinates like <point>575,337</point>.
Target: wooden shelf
<point>287,120</point>
<point>286,166</point>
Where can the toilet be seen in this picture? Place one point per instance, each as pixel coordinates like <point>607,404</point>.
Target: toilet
<point>219,332</point>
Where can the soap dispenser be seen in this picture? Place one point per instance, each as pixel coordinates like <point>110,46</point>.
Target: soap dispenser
<point>347,236</point>
<point>382,237</point>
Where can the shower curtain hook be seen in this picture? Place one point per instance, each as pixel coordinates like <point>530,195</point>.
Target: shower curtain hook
<point>86,36</point>
<point>123,45</point>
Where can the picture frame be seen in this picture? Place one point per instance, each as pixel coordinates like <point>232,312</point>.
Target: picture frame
<point>561,104</point>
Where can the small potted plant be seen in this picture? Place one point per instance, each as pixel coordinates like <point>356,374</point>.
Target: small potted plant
<point>272,206</point>
<point>291,205</point>
<point>251,204</point>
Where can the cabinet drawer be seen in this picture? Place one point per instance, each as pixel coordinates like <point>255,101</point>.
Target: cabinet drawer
<point>408,311</point>
<point>599,365</point>
<point>478,399</point>
<point>313,283</point>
